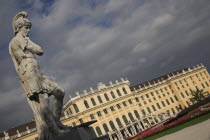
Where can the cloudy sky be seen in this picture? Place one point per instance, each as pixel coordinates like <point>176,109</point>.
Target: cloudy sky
<point>91,41</point>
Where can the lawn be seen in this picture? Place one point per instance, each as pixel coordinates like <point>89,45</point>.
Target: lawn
<point>178,127</point>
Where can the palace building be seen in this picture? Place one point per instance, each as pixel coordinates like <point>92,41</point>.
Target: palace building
<point>122,110</point>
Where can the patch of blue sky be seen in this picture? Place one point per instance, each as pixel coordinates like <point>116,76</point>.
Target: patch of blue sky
<point>106,21</point>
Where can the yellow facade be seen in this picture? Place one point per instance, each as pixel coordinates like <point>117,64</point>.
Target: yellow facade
<point>116,104</point>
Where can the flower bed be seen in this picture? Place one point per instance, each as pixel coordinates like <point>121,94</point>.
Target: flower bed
<point>193,114</point>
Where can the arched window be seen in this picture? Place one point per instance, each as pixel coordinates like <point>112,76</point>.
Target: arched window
<point>125,119</point>
<point>130,116</point>
<point>106,96</point>
<point>99,99</point>
<point>118,92</point>
<point>98,130</point>
<point>76,108</point>
<point>86,104</point>
<point>124,90</point>
<point>113,96</point>
<point>137,114</point>
<point>118,122</point>
<point>106,129</point>
<point>112,125</point>
<point>93,101</point>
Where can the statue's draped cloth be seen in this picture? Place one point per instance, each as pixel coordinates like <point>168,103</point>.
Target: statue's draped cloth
<point>32,80</point>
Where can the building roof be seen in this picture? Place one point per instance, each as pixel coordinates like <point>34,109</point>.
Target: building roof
<point>158,79</point>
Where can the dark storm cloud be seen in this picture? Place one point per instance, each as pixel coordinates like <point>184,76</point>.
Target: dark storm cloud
<point>87,42</point>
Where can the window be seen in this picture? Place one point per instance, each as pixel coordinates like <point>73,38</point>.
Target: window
<point>172,100</point>
<point>137,100</point>
<point>125,119</point>
<point>76,108</point>
<point>99,113</point>
<point>99,99</point>
<point>148,109</point>
<point>147,95</point>
<point>118,106</point>
<point>152,93</point>
<point>143,112</point>
<point>118,122</point>
<point>136,114</point>
<point>157,92</point>
<point>182,94</point>
<point>106,129</point>
<point>105,111</point>
<point>154,98</point>
<point>112,125</point>
<point>112,108</point>
<point>93,101</point>
<point>131,116</point>
<point>158,105</point>
<point>142,97</point>
<point>92,116</point>
<point>163,103</point>
<point>167,102</point>
<point>166,88</point>
<point>175,83</point>
<point>81,120</point>
<point>153,107</point>
<point>187,93</point>
<point>124,103</point>
<point>207,84</point>
<point>161,90</point>
<point>203,85</point>
<point>106,97</point>
<point>173,110</point>
<point>118,92</point>
<point>130,101</point>
<point>86,104</point>
<point>124,90</point>
<point>180,81</point>
<point>112,93</point>
<point>98,130</point>
<point>176,98</point>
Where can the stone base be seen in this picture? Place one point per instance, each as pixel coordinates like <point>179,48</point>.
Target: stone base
<point>79,133</point>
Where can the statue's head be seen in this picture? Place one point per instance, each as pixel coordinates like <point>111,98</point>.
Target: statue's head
<point>21,23</point>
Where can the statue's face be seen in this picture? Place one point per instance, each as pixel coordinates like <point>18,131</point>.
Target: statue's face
<point>24,30</point>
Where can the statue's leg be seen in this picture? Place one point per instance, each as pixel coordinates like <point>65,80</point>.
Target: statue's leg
<point>58,105</point>
<point>47,115</point>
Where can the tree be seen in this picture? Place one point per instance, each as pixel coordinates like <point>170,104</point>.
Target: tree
<point>198,95</point>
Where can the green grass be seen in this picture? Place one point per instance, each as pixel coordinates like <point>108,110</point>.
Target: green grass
<point>178,127</point>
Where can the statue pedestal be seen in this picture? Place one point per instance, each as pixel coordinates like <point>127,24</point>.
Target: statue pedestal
<point>82,132</point>
<point>79,133</point>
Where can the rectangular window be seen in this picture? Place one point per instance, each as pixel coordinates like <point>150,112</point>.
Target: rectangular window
<point>207,84</point>
<point>158,105</point>
<point>112,108</point>
<point>182,94</point>
<point>170,86</point>
<point>143,112</point>
<point>92,116</point>
<point>99,113</point>
<point>172,100</point>
<point>173,110</point>
<point>180,81</point>
<point>175,83</point>
<point>152,93</point>
<point>130,101</point>
<point>124,103</point>
<point>166,88</point>
<point>157,92</point>
<point>176,98</point>
<point>167,102</point>
<point>203,86</point>
<point>118,106</point>
<point>148,109</point>
<point>154,98</point>
<point>161,90</point>
<point>186,93</point>
<point>153,107</point>
<point>163,103</point>
<point>105,111</point>
<point>147,95</point>
<point>142,97</point>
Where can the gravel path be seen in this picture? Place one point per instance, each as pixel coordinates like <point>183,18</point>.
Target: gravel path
<point>199,131</point>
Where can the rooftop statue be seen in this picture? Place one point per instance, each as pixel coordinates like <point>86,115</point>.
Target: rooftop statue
<point>37,86</point>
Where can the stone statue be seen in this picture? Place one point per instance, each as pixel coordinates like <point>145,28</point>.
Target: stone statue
<point>37,86</point>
